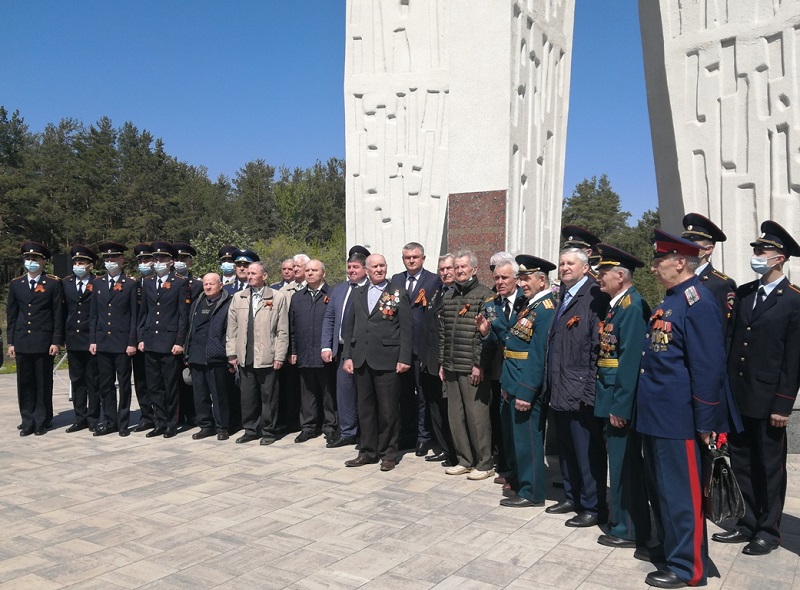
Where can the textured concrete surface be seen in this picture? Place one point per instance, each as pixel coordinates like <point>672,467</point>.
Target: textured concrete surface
<point>78,511</point>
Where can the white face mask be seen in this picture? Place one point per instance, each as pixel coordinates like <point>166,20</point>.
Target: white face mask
<point>111,266</point>
<point>180,267</point>
<point>160,267</point>
<point>761,265</point>
<point>32,265</point>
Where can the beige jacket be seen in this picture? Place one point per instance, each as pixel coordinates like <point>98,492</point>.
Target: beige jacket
<point>270,330</point>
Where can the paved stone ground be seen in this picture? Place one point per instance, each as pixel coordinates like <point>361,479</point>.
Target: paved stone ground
<point>78,511</point>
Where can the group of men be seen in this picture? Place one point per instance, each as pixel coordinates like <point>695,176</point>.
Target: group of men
<point>462,374</point>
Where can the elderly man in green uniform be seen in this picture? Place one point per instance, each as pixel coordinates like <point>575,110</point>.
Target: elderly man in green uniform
<point>621,343</point>
<point>523,375</point>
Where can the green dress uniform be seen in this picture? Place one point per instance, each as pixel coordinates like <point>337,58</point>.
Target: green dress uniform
<point>621,344</point>
<point>522,378</point>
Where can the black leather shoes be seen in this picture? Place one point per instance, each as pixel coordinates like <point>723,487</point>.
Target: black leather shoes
<point>40,431</point>
<point>359,461</point>
<point>104,430</point>
<point>437,457</point>
<point>421,450</point>
<point>617,542</point>
<point>246,438</point>
<point>125,432</point>
<point>730,537</point>
<point>77,427</point>
<point>662,579</point>
<point>158,431</point>
<point>142,426</point>
<point>203,433</point>
<point>265,441</point>
<point>223,435</point>
<point>342,441</point>
<point>561,507</point>
<point>25,431</point>
<point>584,519</point>
<point>305,435</point>
<point>170,432</point>
<point>388,464</point>
<point>517,501</point>
<point>759,547</point>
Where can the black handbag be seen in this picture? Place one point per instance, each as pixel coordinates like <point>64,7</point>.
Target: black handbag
<point>723,498</point>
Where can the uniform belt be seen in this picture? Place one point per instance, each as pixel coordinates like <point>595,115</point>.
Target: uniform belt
<point>608,363</point>
<point>512,354</point>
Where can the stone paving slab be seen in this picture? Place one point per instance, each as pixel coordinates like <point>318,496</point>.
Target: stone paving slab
<point>78,511</point>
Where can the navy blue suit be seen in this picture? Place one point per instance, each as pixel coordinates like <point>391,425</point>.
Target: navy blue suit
<point>139,369</point>
<point>82,365</point>
<point>681,392</point>
<point>414,412</point>
<point>235,287</point>
<point>163,320</point>
<point>35,322</point>
<point>332,328</point>
<point>114,317</point>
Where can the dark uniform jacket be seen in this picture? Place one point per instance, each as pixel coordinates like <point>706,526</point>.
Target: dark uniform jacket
<point>383,338</point>
<point>429,341</point>
<point>77,313</point>
<point>523,378</point>
<point>682,376</point>
<point>764,355</point>
<point>573,346</point>
<point>114,314</point>
<point>500,325</point>
<point>723,288</point>
<point>621,337</point>
<point>424,287</point>
<point>164,314</point>
<point>35,318</point>
<point>306,316</point>
<point>460,344</point>
<point>195,285</point>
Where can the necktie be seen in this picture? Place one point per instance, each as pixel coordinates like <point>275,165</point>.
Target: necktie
<point>111,283</point>
<point>760,296</point>
<point>410,285</point>
<point>158,286</point>
<point>33,284</point>
<point>506,308</point>
<point>80,287</point>
<point>239,285</point>
<point>567,297</point>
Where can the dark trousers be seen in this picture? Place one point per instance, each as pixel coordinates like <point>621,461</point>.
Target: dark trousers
<point>414,416</point>
<point>34,388</point>
<point>528,445</point>
<point>211,384</point>
<point>163,372</point>
<point>503,433</point>
<point>115,366</point>
<point>378,412</point>
<point>582,459</point>
<point>436,402</point>
<point>673,471</point>
<point>628,499</point>
<point>758,458</point>
<point>259,401</point>
<point>346,400</point>
<point>288,393</point>
<point>317,406</point>
<point>140,384</point>
<point>83,377</point>
<point>186,397</point>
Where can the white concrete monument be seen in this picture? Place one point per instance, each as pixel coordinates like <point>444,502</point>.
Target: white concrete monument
<point>723,86</point>
<point>456,114</point>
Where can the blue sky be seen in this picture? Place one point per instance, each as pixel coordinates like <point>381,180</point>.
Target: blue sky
<point>226,83</point>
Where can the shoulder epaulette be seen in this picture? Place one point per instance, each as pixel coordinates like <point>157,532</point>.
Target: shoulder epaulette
<point>692,296</point>
<point>490,299</point>
<point>19,277</point>
<point>54,277</point>
<point>794,288</point>
<point>548,303</point>
<point>720,275</point>
<point>626,301</point>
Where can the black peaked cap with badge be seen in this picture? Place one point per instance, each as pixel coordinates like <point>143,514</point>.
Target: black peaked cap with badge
<point>81,252</point>
<point>184,249</point>
<point>576,236</point>
<point>141,250</point>
<point>36,249</point>
<point>227,253</point>
<point>773,236</point>
<point>110,249</point>
<point>163,249</point>
<point>611,256</point>
<point>357,249</point>
<point>698,227</point>
<point>529,264</point>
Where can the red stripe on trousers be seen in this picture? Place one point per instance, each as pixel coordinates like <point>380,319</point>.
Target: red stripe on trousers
<point>694,484</point>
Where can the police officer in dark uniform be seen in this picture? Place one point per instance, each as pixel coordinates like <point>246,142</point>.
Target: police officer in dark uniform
<point>680,403</point>
<point>144,264</point>
<point>163,319</point>
<point>77,290</point>
<point>703,232</point>
<point>525,344</point>
<point>764,372</point>
<point>226,265</point>
<point>183,265</point>
<point>621,342</point>
<point>35,321</point>
<point>241,260</point>
<point>114,317</point>
<point>576,236</point>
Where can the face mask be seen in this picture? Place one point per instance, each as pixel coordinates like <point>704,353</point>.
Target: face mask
<point>32,265</point>
<point>145,269</point>
<point>79,271</point>
<point>160,267</point>
<point>760,265</point>
<point>227,268</point>
<point>180,267</point>
<point>111,266</point>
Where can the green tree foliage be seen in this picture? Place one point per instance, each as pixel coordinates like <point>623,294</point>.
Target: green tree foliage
<point>73,184</point>
<point>595,206</point>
